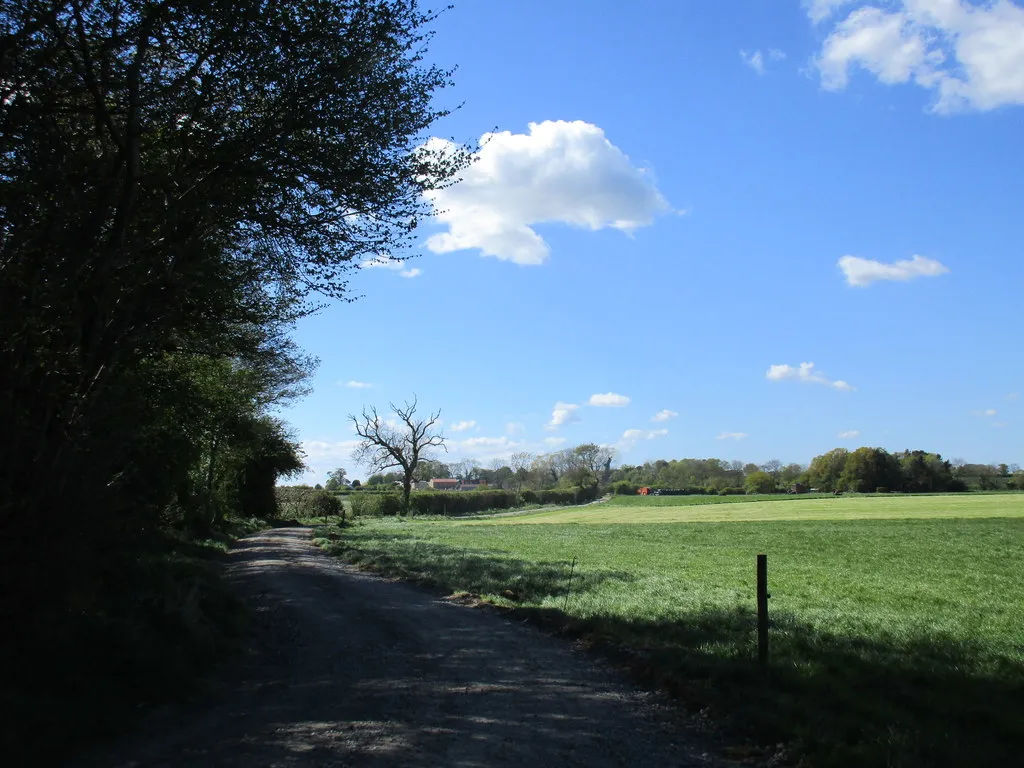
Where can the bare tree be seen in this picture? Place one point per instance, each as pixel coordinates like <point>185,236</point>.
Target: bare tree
<point>465,469</point>
<point>400,442</point>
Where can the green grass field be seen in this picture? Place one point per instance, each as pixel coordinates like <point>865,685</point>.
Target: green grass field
<point>898,622</point>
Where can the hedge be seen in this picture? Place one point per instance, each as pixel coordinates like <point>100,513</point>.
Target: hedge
<point>456,503</point>
<point>294,502</point>
<point>563,496</point>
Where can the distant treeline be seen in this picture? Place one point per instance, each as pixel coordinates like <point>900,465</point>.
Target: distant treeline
<point>864,470</point>
<point>589,466</point>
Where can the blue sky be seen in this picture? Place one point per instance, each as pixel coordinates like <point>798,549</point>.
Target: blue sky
<point>783,226</point>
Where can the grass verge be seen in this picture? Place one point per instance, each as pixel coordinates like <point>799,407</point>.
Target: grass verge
<point>894,642</point>
<point>159,622</point>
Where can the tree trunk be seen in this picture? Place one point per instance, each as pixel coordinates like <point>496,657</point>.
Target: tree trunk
<point>406,492</point>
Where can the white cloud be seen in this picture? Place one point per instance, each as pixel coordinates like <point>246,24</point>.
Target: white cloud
<point>986,412</point>
<point>970,55</point>
<point>484,448</point>
<point>849,434</point>
<point>756,59</point>
<point>863,272</point>
<point>632,436</point>
<point>1000,424</point>
<point>563,413</point>
<point>819,10</point>
<point>664,415</point>
<point>395,265</point>
<point>753,60</point>
<point>357,384</point>
<point>553,442</point>
<point>515,428</point>
<point>1012,396</point>
<point>462,426</point>
<point>565,172</point>
<point>322,456</point>
<point>732,436</point>
<point>608,400</point>
<point>805,373</point>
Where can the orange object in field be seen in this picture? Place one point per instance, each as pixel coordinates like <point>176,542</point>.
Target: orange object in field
<point>644,491</point>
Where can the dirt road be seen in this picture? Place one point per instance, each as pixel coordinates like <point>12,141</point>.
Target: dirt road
<point>355,670</point>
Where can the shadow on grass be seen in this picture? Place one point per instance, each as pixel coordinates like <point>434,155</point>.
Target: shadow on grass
<point>464,570</point>
<point>912,701</point>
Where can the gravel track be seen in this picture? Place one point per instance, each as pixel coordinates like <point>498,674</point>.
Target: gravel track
<point>355,670</point>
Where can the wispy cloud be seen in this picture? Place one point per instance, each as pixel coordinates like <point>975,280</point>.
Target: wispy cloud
<point>732,436</point>
<point>664,415</point>
<point>756,60</point>
<point>753,60</point>
<point>805,373</point>
<point>986,412</point>
<point>608,400</point>
<point>553,442</point>
<point>395,265</point>
<point>515,428</point>
<point>861,273</point>
<point>563,413</point>
<point>462,426</point>
<point>633,436</point>
<point>357,384</point>
<point>849,434</point>
<point>968,54</point>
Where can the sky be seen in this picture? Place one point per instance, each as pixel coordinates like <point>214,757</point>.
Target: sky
<point>749,229</point>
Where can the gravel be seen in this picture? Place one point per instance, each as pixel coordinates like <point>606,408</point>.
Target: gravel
<point>350,669</point>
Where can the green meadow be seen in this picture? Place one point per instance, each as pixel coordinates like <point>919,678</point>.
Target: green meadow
<point>897,632</point>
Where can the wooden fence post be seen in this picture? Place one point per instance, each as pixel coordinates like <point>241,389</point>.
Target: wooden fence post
<point>762,609</point>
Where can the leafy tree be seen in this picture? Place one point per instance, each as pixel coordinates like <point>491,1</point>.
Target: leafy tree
<point>383,445</point>
<point>336,479</point>
<point>825,471</point>
<point>759,482</point>
<point>869,468</point>
<point>430,469</point>
<point>176,179</point>
<point>924,472</point>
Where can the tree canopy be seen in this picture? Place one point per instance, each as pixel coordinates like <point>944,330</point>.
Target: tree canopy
<point>179,183</point>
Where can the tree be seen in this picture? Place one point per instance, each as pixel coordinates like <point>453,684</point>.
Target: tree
<point>759,482</point>
<point>465,469</point>
<point>336,479</point>
<point>403,445</point>
<point>826,470</point>
<point>176,179</point>
<point>923,472</point>
<point>430,469</point>
<point>867,469</point>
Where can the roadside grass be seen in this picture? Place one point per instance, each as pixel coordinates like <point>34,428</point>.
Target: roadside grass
<point>894,642</point>
<point>159,623</point>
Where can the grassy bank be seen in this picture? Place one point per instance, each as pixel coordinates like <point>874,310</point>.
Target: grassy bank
<point>894,641</point>
<point>156,624</point>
